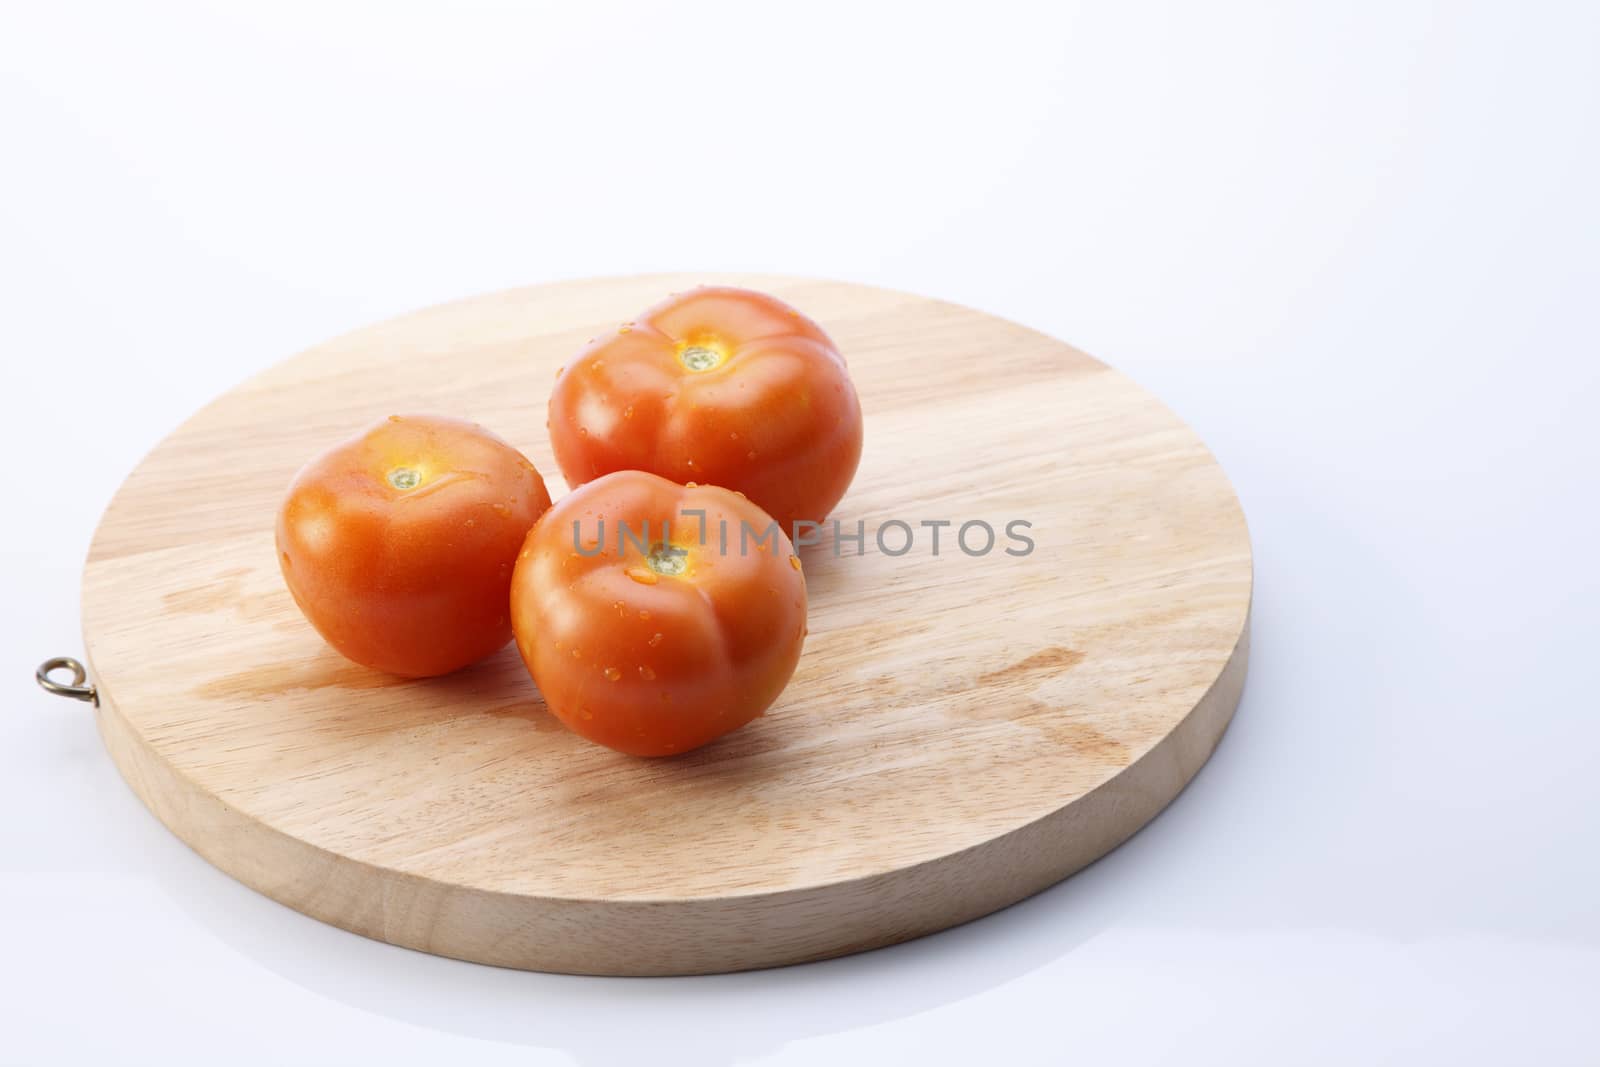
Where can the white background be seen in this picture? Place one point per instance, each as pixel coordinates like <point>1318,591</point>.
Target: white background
<point>1353,244</point>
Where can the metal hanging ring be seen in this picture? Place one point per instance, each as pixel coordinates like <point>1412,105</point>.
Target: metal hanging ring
<point>75,689</point>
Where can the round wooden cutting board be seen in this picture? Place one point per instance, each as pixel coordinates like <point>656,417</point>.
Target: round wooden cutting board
<point>963,729</point>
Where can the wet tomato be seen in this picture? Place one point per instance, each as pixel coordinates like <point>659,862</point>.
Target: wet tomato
<point>654,616</point>
<point>722,386</point>
<point>398,544</point>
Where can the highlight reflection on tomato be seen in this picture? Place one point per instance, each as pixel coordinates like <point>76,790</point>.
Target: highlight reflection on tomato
<point>717,385</point>
<point>656,617</point>
<point>398,544</point>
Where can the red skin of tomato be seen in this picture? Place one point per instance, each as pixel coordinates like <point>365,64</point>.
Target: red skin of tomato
<point>773,414</point>
<point>653,663</point>
<point>411,580</point>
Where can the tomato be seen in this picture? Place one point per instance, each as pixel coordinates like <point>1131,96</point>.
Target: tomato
<point>649,627</point>
<point>398,544</point>
<point>722,386</point>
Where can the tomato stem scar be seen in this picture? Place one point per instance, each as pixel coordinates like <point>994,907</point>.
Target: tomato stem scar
<point>404,478</point>
<point>699,357</point>
<point>668,560</point>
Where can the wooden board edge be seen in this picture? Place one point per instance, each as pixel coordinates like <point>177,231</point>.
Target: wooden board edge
<point>696,936</point>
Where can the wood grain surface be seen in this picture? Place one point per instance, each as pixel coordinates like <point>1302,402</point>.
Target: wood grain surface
<point>962,731</point>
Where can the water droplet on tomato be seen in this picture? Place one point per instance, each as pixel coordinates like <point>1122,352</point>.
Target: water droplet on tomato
<point>613,673</point>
